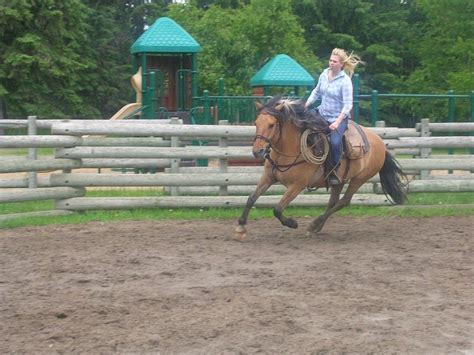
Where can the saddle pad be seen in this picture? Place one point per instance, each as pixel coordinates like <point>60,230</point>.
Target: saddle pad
<point>356,143</point>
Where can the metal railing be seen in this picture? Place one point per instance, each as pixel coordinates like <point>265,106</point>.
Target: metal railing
<point>375,96</point>
<point>234,109</point>
<point>241,109</point>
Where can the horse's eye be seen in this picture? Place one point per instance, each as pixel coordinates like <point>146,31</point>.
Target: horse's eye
<point>271,125</point>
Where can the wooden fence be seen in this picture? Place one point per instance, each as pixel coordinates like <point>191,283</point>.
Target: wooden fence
<point>162,145</point>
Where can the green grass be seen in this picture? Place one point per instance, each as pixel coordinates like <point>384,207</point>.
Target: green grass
<point>443,151</point>
<point>420,205</point>
<point>23,152</point>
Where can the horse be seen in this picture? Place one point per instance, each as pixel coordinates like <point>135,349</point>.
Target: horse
<point>280,125</point>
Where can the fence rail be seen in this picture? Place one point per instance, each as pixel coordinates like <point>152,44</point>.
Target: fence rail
<point>152,144</point>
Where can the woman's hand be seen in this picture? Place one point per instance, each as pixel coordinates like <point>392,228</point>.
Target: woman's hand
<point>333,126</point>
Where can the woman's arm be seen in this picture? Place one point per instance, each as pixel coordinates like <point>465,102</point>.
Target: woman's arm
<point>347,100</point>
<point>315,94</point>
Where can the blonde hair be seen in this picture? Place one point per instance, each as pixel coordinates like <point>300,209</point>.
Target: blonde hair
<point>349,61</point>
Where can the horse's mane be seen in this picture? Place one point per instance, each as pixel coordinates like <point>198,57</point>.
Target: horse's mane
<point>287,109</point>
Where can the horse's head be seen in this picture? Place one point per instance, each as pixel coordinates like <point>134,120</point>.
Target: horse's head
<point>267,132</point>
<point>270,121</point>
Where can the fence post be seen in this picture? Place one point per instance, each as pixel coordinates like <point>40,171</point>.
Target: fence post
<point>32,153</point>
<point>151,113</point>
<point>425,152</point>
<point>180,90</point>
<point>206,107</point>
<point>356,97</point>
<point>223,142</point>
<point>472,117</point>
<point>451,114</point>
<point>220,103</point>
<point>174,191</point>
<point>374,107</point>
<point>221,86</point>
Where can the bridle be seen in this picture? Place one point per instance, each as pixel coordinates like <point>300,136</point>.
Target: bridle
<point>280,167</point>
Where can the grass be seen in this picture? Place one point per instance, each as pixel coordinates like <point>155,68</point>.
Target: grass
<point>5,152</point>
<point>23,152</point>
<point>420,205</point>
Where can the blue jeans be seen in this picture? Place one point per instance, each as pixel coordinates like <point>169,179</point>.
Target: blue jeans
<point>335,141</point>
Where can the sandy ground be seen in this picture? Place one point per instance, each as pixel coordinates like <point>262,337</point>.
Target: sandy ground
<point>365,285</point>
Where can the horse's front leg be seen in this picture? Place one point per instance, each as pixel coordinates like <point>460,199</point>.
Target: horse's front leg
<point>289,195</point>
<point>266,181</point>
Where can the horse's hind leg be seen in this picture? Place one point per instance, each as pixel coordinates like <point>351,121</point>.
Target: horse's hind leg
<point>289,195</point>
<point>335,204</point>
<point>266,181</point>
<point>335,194</point>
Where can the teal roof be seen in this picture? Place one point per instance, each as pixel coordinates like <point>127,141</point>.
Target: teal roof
<point>282,71</point>
<point>165,36</point>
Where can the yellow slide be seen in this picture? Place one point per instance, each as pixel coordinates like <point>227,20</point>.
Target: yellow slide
<point>127,110</point>
<point>133,108</point>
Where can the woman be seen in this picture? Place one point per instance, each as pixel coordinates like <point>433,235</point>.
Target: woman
<point>334,88</point>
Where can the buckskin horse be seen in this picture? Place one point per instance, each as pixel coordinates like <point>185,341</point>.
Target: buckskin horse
<point>280,125</point>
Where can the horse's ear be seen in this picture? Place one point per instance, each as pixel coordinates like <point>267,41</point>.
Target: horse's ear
<point>280,106</point>
<point>258,105</point>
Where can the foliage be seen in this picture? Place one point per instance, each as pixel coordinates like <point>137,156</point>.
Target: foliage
<point>447,50</point>
<point>246,38</point>
<point>445,53</point>
<point>72,58</point>
<point>43,63</point>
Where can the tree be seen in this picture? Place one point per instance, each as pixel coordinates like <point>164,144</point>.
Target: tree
<point>237,42</point>
<point>44,56</point>
<point>333,23</point>
<point>445,54</point>
<point>446,50</point>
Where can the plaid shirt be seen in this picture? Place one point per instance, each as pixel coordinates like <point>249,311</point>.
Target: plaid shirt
<point>335,95</point>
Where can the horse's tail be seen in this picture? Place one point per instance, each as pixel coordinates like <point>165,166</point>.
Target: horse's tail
<point>394,181</point>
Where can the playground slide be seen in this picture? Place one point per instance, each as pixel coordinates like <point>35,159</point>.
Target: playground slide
<point>127,110</point>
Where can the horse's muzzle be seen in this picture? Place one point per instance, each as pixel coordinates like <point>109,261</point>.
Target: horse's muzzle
<point>260,154</point>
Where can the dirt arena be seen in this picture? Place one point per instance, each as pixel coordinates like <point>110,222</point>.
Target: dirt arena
<point>365,285</point>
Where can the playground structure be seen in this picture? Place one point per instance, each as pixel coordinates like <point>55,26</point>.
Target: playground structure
<point>135,108</point>
<point>164,59</point>
<point>165,64</point>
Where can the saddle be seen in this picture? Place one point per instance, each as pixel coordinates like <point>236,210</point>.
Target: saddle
<point>355,145</point>
<point>355,141</point>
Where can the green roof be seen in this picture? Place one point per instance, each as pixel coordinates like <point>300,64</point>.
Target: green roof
<point>165,36</point>
<point>282,71</point>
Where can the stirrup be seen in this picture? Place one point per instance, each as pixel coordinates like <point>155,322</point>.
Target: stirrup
<point>333,180</point>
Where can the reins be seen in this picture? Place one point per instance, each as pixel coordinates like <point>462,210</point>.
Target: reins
<point>284,167</point>
<point>280,167</point>
<point>268,140</point>
<point>305,151</point>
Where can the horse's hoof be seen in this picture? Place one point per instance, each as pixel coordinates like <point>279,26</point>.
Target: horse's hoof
<point>291,223</point>
<point>240,237</point>
<point>240,233</point>
<point>315,229</point>
<point>316,225</point>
